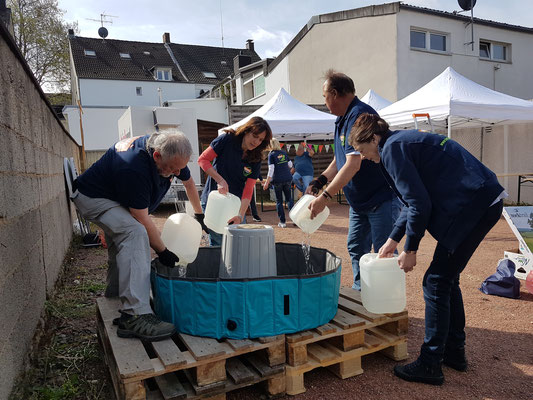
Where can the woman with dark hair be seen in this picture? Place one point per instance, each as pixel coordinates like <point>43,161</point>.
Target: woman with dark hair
<point>232,162</point>
<point>451,194</point>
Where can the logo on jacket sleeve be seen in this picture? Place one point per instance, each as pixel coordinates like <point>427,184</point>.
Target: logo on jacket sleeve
<point>247,171</point>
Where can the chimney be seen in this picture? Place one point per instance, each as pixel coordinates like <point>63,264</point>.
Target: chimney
<point>5,17</point>
<point>71,33</point>
<point>240,61</point>
<point>166,37</point>
<point>250,44</point>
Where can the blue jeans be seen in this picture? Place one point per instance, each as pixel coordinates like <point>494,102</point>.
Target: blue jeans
<point>281,189</point>
<point>445,314</point>
<point>367,229</point>
<point>301,181</point>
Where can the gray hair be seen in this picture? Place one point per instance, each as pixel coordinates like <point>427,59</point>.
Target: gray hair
<point>169,143</point>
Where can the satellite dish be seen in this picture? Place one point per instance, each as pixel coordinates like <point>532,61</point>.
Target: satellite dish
<point>466,4</point>
<point>102,32</point>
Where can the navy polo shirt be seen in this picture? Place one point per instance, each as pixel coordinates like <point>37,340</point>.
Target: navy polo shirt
<point>280,160</point>
<point>127,174</point>
<point>368,188</point>
<point>230,165</point>
<point>304,165</point>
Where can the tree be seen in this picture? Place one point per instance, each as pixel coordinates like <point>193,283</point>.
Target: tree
<point>41,35</point>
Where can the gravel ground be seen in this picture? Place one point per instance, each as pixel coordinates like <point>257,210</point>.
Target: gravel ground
<point>499,330</point>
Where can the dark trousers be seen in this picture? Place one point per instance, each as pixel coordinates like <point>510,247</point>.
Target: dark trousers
<point>445,314</point>
<point>281,189</point>
<point>253,206</point>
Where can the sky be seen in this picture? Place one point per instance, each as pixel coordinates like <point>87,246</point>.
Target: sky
<point>271,24</point>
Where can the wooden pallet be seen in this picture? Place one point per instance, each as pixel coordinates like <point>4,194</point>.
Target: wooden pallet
<point>185,366</point>
<point>340,344</point>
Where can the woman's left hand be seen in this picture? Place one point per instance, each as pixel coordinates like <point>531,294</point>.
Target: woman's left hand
<point>236,220</point>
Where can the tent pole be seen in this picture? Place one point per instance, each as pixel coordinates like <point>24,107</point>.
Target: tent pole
<point>450,126</point>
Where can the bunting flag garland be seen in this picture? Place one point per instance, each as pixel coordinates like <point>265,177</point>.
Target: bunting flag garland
<point>281,145</point>
<point>327,148</point>
<point>309,146</point>
<point>333,148</point>
<point>315,147</point>
<point>288,147</point>
<point>320,147</point>
<point>296,146</point>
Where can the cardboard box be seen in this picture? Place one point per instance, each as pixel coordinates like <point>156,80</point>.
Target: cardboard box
<point>523,263</point>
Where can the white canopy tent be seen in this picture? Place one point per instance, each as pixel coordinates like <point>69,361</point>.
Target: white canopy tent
<point>291,120</point>
<point>374,100</point>
<point>452,100</point>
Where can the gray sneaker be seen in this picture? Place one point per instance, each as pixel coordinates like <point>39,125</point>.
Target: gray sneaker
<point>146,327</point>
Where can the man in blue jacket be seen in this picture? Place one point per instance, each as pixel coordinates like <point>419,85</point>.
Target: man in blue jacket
<point>373,206</point>
<point>452,195</point>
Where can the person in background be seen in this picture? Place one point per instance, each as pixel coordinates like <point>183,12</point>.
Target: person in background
<point>253,205</point>
<point>303,167</point>
<point>279,174</point>
<point>373,206</point>
<point>117,193</point>
<point>232,162</point>
<point>452,195</point>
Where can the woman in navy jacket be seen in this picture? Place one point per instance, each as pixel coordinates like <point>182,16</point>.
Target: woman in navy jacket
<point>453,196</point>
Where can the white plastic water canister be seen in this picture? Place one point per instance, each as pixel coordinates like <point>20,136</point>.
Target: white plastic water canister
<point>220,209</point>
<point>301,215</point>
<point>382,284</point>
<point>182,235</point>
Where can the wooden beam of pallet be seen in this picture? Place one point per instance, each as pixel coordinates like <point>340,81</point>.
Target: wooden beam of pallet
<point>380,333</point>
<point>108,307</point>
<point>169,353</point>
<point>202,348</point>
<point>262,367</point>
<point>359,310</point>
<point>170,387</point>
<point>238,371</point>
<point>349,293</point>
<point>243,344</point>
<point>212,387</point>
<point>320,353</point>
<point>346,320</point>
<point>326,329</point>
<point>298,337</point>
<point>270,339</point>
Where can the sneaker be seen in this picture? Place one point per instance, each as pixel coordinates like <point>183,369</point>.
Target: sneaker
<point>256,218</point>
<point>456,359</point>
<point>146,326</point>
<point>282,225</point>
<point>419,372</point>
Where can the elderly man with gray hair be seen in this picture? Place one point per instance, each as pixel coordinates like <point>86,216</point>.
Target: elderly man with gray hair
<point>117,193</point>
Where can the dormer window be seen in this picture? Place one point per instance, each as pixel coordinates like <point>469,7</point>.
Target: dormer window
<point>89,53</point>
<point>163,74</point>
<point>125,55</point>
<point>209,74</point>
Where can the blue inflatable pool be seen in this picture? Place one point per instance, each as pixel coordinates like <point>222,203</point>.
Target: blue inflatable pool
<point>203,304</point>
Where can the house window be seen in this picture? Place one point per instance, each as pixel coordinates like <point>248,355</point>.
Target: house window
<point>427,40</point>
<point>124,55</point>
<point>139,90</point>
<point>89,53</point>
<point>253,85</point>
<point>209,74</point>
<point>146,53</point>
<point>163,74</point>
<point>494,51</point>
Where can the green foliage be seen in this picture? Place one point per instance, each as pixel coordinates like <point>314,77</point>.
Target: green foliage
<point>41,35</point>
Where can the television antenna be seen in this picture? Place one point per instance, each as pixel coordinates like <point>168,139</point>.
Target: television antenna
<point>468,5</point>
<point>102,31</point>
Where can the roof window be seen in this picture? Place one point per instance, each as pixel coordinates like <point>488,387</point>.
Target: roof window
<point>146,53</point>
<point>89,53</point>
<point>209,74</point>
<point>124,55</point>
<point>163,74</point>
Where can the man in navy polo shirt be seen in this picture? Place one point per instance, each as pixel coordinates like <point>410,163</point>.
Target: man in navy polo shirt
<point>118,193</point>
<point>373,206</point>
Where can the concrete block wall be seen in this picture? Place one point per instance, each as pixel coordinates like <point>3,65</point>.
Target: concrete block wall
<point>35,213</point>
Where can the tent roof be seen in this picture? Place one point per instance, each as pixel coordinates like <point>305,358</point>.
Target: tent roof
<point>375,101</point>
<point>469,104</point>
<point>292,120</point>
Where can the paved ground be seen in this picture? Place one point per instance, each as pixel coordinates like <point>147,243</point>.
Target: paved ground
<point>499,330</point>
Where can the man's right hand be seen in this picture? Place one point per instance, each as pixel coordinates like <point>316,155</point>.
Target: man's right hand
<point>316,185</point>
<point>168,258</point>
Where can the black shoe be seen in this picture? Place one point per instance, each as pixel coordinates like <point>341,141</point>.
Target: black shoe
<point>256,218</point>
<point>146,327</point>
<point>456,359</point>
<point>123,317</point>
<point>419,372</point>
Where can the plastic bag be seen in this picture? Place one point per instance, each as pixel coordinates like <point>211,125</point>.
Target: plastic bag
<point>503,282</point>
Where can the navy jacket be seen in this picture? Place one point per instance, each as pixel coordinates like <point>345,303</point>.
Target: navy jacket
<point>445,188</point>
<point>367,189</point>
